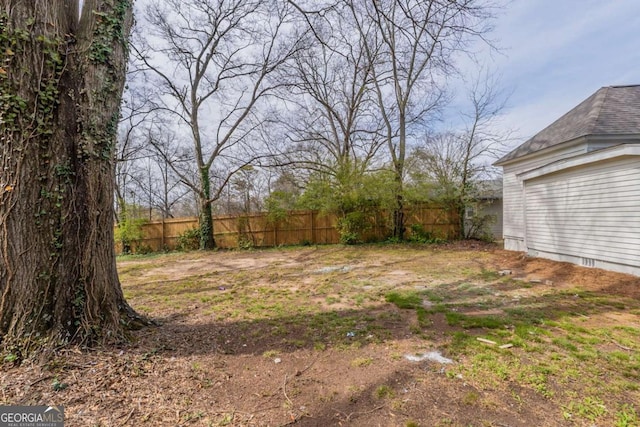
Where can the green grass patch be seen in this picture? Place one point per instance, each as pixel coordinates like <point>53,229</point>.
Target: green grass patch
<point>384,392</point>
<point>361,362</point>
<point>626,416</point>
<point>489,275</point>
<point>565,343</point>
<point>590,408</point>
<point>433,296</point>
<point>472,322</point>
<point>407,300</point>
<point>461,342</point>
<point>423,317</point>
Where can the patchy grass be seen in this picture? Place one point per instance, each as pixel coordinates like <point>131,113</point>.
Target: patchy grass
<point>321,335</point>
<point>384,392</point>
<point>406,300</point>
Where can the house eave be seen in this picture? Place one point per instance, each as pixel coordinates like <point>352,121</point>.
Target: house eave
<point>543,152</point>
<point>583,159</point>
<point>571,143</point>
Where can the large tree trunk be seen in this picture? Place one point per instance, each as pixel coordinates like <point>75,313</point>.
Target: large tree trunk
<point>61,81</point>
<point>398,165</point>
<point>205,220</point>
<point>398,214</point>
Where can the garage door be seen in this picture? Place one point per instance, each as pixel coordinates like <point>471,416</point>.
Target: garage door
<point>589,214</point>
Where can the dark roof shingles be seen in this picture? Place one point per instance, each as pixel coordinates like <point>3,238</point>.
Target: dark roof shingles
<point>612,110</point>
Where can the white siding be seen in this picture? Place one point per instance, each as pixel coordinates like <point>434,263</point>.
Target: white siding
<point>588,215</point>
<point>494,208</point>
<point>513,197</point>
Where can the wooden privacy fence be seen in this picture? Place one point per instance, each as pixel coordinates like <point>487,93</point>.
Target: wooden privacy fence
<point>299,228</point>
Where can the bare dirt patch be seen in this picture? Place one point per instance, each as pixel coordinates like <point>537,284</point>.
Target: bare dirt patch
<point>319,336</point>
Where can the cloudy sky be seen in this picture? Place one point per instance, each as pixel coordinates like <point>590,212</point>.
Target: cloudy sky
<point>556,53</point>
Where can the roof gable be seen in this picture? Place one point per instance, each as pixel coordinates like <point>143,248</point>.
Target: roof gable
<point>612,110</point>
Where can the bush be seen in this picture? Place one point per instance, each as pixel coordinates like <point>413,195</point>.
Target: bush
<point>143,249</point>
<point>245,236</point>
<point>478,227</point>
<point>129,232</point>
<point>420,235</point>
<point>351,226</point>
<point>189,240</point>
<point>278,204</point>
<point>245,243</point>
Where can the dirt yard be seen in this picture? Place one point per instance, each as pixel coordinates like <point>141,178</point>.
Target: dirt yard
<point>452,335</point>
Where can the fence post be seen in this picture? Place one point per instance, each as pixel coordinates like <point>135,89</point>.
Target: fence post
<point>275,232</point>
<point>162,243</point>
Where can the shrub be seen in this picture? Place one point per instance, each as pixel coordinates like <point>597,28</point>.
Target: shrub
<point>245,236</point>
<point>420,235</point>
<point>245,243</point>
<point>129,232</point>
<point>189,240</point>
<point>143,249</point>
<point>351,226</point>
<point>478,227</point>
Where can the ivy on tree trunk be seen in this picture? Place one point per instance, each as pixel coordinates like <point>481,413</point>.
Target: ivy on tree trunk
<point>61,80</point>
<point>205,219</point>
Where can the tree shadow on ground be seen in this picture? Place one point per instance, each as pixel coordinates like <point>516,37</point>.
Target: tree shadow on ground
<point>422,396</point>
<point>187,333</point>
<point>180,336</point>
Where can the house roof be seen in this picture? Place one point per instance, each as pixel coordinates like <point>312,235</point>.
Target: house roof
<point>490,189</point>
<point>611,111</point>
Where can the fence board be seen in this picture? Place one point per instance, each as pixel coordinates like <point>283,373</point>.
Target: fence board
<point>300,227</point>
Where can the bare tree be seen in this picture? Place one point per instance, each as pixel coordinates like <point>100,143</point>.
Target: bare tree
<point>458,161</point>
<point>243,194</point>
<point>411,44</point>
<point>153,178</point>
<point>166,192</point>
<point>210,61</point>
<point>61,80</point>
<point>334,128</point>
<point>130,150</point>
<point>334,131</point>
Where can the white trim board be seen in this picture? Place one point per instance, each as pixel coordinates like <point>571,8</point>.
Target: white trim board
<point>582,159</point>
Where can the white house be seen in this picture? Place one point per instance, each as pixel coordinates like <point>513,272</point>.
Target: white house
<point>572,192</point>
